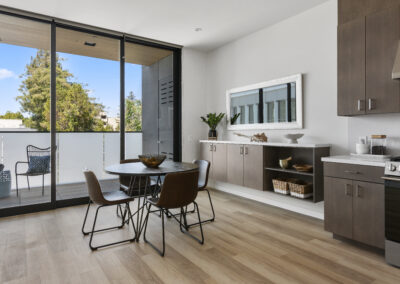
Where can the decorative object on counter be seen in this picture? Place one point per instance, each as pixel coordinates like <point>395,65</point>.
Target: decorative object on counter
<point>5,183</point>
<point>378,144</point>
<point>212,120</point>
<point>362,147</point>
<point>301,189</point>
<point>258,137</point>
<point>234,118</point>
<point>293,137</point>
<point>152,160</point>
<point>284,163</point>
<point>303,168</point>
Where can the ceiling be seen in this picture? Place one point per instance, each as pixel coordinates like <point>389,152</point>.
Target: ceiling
<point>173,21</point>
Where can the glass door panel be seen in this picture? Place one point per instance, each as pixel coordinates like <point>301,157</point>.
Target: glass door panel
<point>149,99</point>
<point>88,92</point>
<point>24,112</point>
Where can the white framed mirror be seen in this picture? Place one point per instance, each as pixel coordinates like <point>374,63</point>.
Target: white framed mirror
<point>275,104</point>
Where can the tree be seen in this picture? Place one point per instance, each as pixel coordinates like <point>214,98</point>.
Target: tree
<point>12,115</point>
<point>133,113</point>
<point>76,111</point>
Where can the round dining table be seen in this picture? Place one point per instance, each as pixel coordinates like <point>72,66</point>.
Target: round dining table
<point>139,170</point>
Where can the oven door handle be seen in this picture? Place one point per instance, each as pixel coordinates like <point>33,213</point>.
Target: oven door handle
<point>391,178</point>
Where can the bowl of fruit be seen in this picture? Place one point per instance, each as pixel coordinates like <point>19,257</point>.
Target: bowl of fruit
<point>152,160</point>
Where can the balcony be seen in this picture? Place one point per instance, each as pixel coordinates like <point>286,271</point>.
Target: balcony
<point>75,152</point>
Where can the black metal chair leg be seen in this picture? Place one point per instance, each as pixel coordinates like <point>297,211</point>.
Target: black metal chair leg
<point>84,220</point>
<point>117,227</point>
<point>201,241</point>
<point>27,179</point>
<point>212,209</point>
<point>161,252</point>
<point>16,183</point>
<point>42,185</point>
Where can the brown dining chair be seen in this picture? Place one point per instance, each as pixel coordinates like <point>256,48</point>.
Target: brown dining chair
<point>102,200</point>
<point>178,191</point>
<point>204,170</point>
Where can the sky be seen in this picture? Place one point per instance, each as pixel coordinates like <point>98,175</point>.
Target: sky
<point>99,76</point>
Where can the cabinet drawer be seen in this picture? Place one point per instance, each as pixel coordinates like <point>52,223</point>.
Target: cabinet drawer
<point>354,172</point>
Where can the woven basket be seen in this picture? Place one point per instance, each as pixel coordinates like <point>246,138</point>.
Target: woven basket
<point>282,185</point>
<point>301,189</point>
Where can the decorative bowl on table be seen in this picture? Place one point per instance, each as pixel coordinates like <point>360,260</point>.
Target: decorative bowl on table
<point>152,160</point>
<point>293,137</point>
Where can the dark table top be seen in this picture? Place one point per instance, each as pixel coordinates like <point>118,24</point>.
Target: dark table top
<point>138,169</point>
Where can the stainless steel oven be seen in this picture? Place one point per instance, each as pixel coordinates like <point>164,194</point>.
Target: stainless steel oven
<point>392,213</point>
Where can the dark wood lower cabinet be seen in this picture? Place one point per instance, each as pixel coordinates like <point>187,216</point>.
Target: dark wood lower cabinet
<point>354,209</point>
<point>339,206</point>
<point>368,213</point>
<point>235,164</point>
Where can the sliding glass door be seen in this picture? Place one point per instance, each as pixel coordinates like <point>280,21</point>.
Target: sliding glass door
<point>87,110</point>
<point>149,100</point>
<point>75,99</point>
<point>24,112</point>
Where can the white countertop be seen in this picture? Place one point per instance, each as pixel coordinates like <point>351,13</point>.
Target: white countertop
<point>353,160</point>
<point>273,144</point>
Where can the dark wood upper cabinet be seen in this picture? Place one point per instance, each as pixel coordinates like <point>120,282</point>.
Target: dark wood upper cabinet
<point>351,68</point>
<point>366,52</point>
<point>382,38</point>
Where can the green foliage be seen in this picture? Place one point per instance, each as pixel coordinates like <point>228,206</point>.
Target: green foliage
<point>12,115</point>
<point>76,111</point>
<point>212,119</point>
<point>234,118</point>
<point>133,113</point>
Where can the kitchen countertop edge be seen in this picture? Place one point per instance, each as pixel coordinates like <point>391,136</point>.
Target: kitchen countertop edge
<point>352,160</point>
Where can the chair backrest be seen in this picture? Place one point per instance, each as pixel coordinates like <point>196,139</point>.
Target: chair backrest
<point>178,189</point>
<point>204,169</point>
<point>94,188</point>
<point>33,151</point>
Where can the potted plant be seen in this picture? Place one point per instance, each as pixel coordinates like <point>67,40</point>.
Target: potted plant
<point>212,120</point>
<point>234,118</point>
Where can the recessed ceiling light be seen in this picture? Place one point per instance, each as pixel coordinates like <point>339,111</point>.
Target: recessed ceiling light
<point>198,29</point>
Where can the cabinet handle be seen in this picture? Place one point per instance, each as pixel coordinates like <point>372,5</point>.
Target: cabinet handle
<point>215,148</point>
<point>246,150</point>
<point>211,147</point>
<point>359,107</point>
<point>352,172</point>
<point>347,190</point>
<point>241,150</point>
<point>358,191</point>
<point>370,104</point>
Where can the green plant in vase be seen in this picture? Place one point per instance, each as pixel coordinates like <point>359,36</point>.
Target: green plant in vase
<point>212,120</point>
<point>234,118</point>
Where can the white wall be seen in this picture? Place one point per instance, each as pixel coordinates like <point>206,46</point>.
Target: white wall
<point>306,44</point>
<point>193,102</point>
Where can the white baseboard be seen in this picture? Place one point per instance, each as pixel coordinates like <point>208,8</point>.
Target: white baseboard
<point>304,207</point>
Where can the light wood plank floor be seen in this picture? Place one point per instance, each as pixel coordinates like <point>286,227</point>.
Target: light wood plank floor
<point>249,243</point>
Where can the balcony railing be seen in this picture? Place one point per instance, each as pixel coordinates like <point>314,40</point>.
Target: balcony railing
<point>76,151</point>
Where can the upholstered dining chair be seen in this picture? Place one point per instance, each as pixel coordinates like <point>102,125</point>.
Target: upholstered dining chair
<point>102,200</point>
<point>178,190</point>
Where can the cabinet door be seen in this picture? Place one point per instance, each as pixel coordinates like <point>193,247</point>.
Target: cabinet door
<point>351,68</point>
<point>382,37</point>
<point>368,213</point>
<point>219,162</point>
<point>235,164</point>
<point>338,206</point>
<point>253,167</point>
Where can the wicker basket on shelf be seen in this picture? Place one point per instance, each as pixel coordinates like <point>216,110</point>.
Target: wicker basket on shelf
<point>301,189</point>
<point>282,185</point>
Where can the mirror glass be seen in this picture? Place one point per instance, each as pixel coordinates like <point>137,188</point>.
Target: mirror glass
<point>274,104</point>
